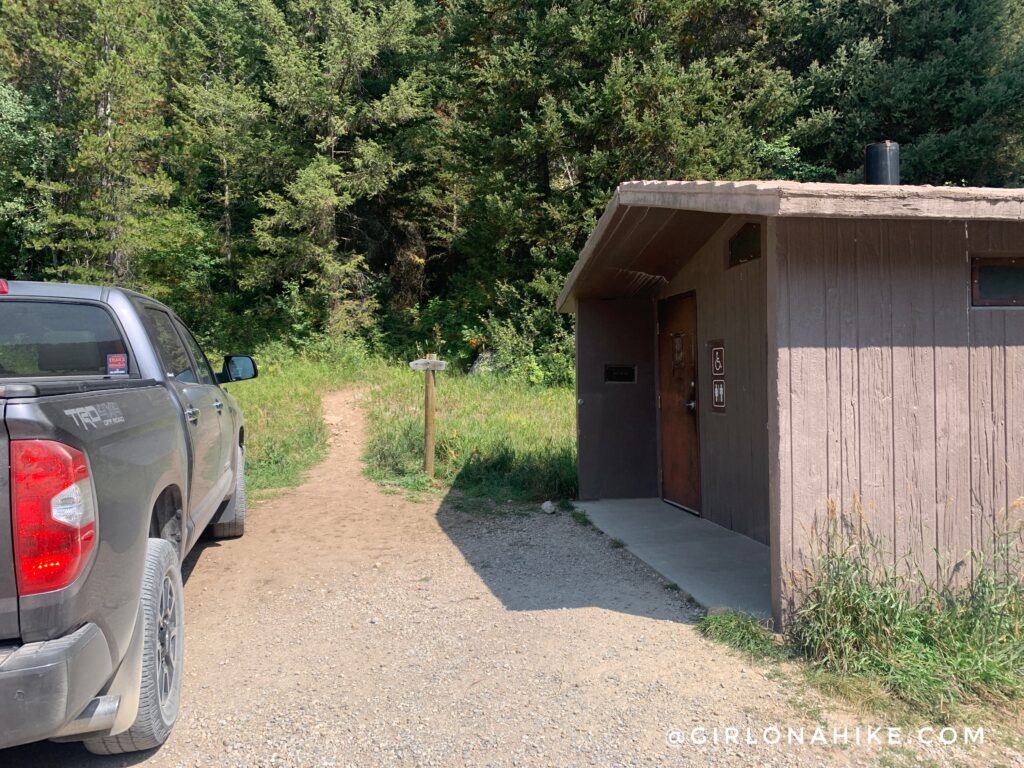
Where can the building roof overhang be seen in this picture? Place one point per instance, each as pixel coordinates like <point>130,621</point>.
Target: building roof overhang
<point>650,228</point>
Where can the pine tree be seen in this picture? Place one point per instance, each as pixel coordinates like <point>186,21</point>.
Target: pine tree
<point>326,60</point>
<point>221,115</point>
<point>942,77</point>
<point>101,60</point>
<point>439,165</point>
<point>25,155</point>
<point>548,106</point>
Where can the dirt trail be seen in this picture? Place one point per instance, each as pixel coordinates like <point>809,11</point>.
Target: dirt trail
<point>354,627</point>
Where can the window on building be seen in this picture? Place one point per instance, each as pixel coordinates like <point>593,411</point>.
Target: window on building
<point>997,281</point>
<point>745,245</point>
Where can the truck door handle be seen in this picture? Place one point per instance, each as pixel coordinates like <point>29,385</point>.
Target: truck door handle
<point>218,406</point>
<point>192,414</point>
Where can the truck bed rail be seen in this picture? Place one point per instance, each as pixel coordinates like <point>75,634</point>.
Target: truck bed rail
<point>46,388</point>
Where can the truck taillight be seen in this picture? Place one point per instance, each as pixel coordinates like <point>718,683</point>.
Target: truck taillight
<point>53,514</point>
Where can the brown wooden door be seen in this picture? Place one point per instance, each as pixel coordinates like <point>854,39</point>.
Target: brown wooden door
<point>678,388</point>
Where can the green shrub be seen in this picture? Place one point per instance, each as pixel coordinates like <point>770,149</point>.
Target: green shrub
<point>532,343</point>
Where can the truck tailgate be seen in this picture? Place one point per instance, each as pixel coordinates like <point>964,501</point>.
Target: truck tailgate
<point>8,586</point>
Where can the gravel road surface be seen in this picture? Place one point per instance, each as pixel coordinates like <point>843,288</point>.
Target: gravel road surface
<point>351,627</point>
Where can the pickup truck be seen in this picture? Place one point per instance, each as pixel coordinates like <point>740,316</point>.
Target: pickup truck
<point>119,448</point>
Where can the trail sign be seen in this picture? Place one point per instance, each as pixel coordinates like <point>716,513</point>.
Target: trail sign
<point>426,364</point>
<point>429,365</point>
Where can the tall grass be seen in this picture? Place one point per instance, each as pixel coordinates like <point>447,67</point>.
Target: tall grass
<point>744,633</point>
<point>285,433</point>
<point>495,438</point>
<point>934,646</point>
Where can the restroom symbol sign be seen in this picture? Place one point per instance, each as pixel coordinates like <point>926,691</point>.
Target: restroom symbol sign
<point>718,394</point>
<point>717,348</point>
<point>718,359</point>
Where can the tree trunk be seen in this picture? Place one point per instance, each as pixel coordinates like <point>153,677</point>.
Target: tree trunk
<point>116,259</point>
<point>225,219</point>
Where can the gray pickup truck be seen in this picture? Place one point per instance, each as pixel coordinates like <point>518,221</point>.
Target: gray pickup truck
<point>119,448</point>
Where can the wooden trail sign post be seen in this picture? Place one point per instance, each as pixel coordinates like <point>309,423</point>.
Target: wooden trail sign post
<point>429,365</point>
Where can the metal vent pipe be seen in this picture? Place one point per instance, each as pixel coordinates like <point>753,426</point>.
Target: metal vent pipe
<point>882,163</point>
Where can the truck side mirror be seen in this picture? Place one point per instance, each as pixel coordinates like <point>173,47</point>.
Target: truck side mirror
<point>237,368</point>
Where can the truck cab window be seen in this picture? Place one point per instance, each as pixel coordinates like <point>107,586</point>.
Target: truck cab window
<point>205,370</point>
<point>54,339</point>
<point>172,351</point>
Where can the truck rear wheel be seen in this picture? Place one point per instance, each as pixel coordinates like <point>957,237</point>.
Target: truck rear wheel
<point>163,656</point>
<point>234,527</point>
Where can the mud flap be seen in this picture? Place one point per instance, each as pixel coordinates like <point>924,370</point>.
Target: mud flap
<point>127,683</point>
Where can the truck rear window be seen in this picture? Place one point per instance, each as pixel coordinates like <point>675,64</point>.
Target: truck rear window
<point>47,338</point>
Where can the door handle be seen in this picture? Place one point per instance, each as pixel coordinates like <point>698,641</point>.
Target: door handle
<point>692,403</point>
<point>192,414</point>
<point>218,406</point>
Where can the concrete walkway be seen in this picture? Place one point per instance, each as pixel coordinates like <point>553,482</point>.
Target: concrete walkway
<point>715,566</point>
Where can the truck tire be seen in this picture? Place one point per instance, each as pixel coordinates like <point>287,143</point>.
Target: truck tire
<point>163,656</point>
<point>234,527</point>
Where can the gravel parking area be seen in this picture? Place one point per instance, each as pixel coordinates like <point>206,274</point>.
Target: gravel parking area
<point>351,627</point>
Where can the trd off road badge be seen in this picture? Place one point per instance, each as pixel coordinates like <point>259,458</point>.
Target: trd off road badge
<point>96,416</point>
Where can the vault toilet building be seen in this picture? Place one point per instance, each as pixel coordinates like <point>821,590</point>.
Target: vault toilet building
<point>754,351</point>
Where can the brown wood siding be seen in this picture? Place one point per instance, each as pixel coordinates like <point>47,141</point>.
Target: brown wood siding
<point>891,393</point>
<point>997,432</point>
<point>617,430</point>
<point>733,445</point>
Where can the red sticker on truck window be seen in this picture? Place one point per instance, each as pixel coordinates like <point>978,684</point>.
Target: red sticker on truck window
<point>117,365</point>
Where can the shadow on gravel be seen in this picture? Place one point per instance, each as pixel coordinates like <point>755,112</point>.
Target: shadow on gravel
<point>45,754</point>
<point>189,564</point>
<point>537,562</point>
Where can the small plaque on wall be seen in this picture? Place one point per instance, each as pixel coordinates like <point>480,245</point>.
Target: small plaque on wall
<point>717,355</point>
<point>718,395</point>
<point>620,374</point>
